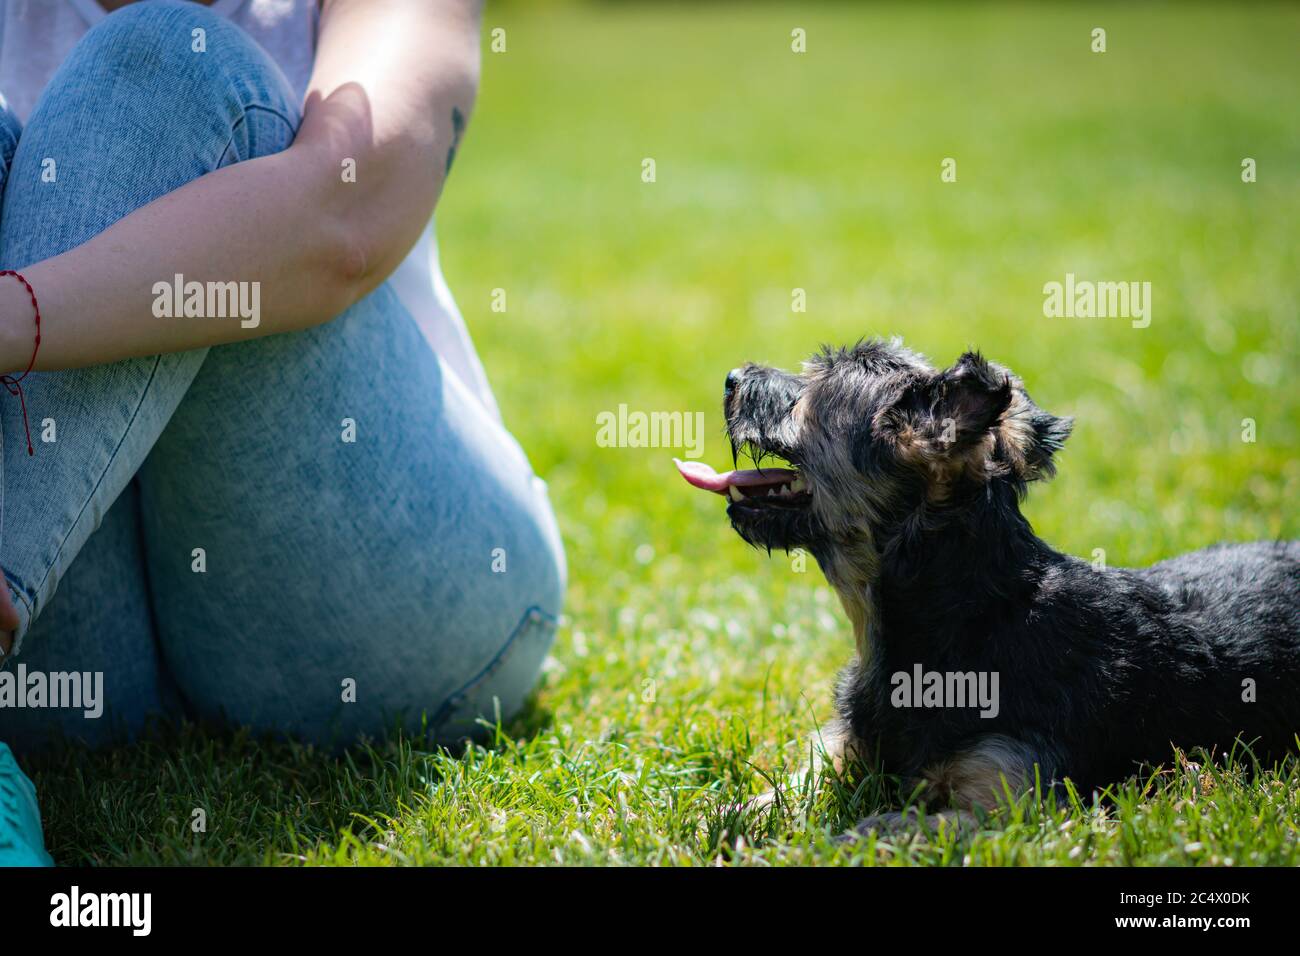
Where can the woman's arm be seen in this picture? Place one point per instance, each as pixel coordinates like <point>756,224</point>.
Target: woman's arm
<point>391,91</point>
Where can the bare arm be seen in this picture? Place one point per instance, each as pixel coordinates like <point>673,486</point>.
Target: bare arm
<point>392,87</point>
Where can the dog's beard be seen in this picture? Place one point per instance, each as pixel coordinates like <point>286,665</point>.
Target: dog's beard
<point>768,507</point>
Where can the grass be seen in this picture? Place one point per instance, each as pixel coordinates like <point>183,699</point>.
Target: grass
<point>690,670</point>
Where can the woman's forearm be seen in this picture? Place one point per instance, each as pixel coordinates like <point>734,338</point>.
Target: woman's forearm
<point>239,234</point>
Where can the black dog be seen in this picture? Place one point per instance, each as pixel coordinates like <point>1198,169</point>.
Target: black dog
<point>905,487</point>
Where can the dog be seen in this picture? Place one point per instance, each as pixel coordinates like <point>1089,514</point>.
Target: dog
<point>905,484</point>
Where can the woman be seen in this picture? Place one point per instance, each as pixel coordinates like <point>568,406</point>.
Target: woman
<point>326,533</point>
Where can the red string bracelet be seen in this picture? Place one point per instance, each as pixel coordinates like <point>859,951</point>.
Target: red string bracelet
<point>11,383</point>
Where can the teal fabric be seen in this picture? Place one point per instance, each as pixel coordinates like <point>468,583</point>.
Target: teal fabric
<point>20,820</point>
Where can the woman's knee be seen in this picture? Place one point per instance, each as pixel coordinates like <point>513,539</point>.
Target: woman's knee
<point>178,65</point>
<point>140,107</point>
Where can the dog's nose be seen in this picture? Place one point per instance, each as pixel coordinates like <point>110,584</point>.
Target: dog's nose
<point>733,379</point>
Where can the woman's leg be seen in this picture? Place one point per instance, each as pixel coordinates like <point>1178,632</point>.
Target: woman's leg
<point>376,547</point>
<point>96,637</point>
<point>96,632</point>
<point>133,113</point>
<point>98,146</point>
<point>21,843</point>
<point>341,584</point>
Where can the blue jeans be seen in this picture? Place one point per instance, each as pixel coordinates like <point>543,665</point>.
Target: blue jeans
<point>219,549</point>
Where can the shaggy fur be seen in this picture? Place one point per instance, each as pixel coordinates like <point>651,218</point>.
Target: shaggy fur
<point>915,478</point>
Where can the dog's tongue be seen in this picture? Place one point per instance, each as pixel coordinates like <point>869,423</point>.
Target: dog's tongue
<point>701,475</point>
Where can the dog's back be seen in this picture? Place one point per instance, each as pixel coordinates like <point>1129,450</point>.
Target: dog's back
<point>1250,591</point>
<point>1241,604</point>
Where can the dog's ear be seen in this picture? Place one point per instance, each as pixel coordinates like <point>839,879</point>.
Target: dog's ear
<point>945,425</point>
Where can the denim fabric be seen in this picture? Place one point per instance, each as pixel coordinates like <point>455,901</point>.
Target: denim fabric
<point>417,568</point>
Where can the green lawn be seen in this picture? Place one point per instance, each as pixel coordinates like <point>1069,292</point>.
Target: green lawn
<point>690,668</point>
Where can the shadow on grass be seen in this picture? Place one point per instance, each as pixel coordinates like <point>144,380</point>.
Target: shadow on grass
<point>190,794</point>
